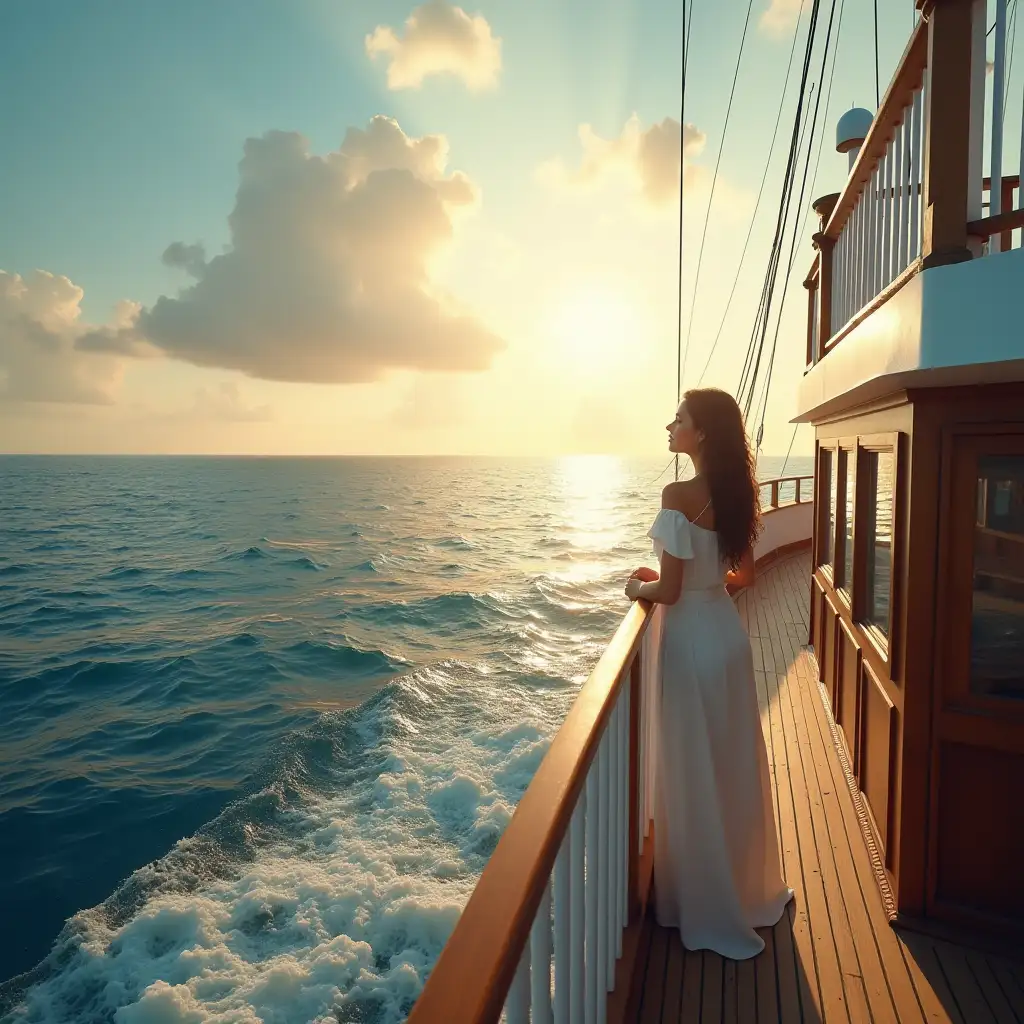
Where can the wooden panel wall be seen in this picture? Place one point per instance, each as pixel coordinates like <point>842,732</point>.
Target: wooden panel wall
<point>863,681</point>
<point>932,793</point>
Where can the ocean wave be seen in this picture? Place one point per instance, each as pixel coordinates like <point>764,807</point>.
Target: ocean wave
<point>324,895</point>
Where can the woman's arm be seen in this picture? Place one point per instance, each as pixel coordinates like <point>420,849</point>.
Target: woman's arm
<point>744,574</point>
<point>665,589</point>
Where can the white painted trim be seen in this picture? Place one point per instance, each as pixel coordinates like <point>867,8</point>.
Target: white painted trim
<point>948,326</point>
<point>788,524</point>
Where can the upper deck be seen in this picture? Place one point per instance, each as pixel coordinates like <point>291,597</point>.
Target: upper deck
<point>918,260</point>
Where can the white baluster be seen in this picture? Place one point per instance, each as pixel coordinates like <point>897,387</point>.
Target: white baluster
<point>858,249</point>
<point>623,832</point>
<point>995,195</point>
<point>877,208</point>
<point>888,248</point>
<point>837,301</point>
<point>540,961</point>
<point>577,918</point>
<point>913,239</point>
<point>603,864</point>
<point>844,278</point>
<point>561,934</point>
<point>902,207</point>
<point>1020,187</point>
<point>517,1004</point>
<point>641,775</point>
<point>922,149</point>
<point>591,885</point>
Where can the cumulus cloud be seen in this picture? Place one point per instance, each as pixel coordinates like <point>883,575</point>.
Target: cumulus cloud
<point>327,276</point>
<point>40,320</point>
<point>648,157</point>
<point>780,17</point>
<point>226,404</point>
<point>439,38</point>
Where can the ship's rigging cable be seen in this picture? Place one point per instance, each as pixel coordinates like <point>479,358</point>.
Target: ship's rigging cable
<point>878,93</point>
<point>748,388</point>
<point>684,46</point>
<point>746,381</point>
<point>792,438</point>
<point>760,311</point>
<point>711,196</point>
<point>760,193</point>
<point>803,226</point>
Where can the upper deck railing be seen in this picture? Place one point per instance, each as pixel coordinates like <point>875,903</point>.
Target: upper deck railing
<point>552,928</point>
<point>916,196</point>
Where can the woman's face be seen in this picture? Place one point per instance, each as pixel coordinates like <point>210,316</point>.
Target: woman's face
<point>682,434</point>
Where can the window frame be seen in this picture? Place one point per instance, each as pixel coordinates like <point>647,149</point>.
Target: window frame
<point>966,449</point>
<point>823,497</point>
<point>846,589</point>
<point>883,644</point>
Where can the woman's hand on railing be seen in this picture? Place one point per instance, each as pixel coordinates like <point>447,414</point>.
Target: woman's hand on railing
<point>645,574</point>
<point>637,579</point>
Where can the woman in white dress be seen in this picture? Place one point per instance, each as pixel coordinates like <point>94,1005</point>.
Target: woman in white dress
<point>717,873</point>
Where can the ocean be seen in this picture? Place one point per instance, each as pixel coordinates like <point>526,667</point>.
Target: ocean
<point>262,721</point>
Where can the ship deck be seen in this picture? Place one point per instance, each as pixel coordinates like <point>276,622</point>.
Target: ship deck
<point>834,956</point>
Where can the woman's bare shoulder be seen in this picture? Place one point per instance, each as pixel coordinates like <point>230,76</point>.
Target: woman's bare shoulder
<point>687,496</point>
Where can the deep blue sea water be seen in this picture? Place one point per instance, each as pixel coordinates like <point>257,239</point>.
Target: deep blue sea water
<point>262,721</point>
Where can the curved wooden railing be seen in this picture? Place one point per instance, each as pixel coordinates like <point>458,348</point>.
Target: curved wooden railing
<point>580,844</point>
<point>802,491</point>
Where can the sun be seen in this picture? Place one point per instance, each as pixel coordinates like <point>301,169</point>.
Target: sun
<point>595,332</point>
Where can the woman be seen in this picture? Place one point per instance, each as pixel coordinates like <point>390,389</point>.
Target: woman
<point>716,859</point>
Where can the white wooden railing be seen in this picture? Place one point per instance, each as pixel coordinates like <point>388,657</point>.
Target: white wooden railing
<point>882,235</point>
<point>917,196</point>
<point>999,185</point>
<point>567,967</point>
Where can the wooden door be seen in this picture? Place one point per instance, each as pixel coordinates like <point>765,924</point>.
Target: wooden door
<point>976,826</point>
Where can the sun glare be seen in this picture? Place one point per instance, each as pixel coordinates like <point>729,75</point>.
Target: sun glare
<point>595,331</point>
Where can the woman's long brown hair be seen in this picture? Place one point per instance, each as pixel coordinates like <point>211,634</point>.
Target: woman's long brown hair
<point>728,466</point>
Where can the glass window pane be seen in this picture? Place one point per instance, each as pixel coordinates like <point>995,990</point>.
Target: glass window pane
<point>997,619</point>
<point>881,467</point>
<point>828,486</point>
<point>851,486</point>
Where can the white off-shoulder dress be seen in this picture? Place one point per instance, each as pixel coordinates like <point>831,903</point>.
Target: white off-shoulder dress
<point>717,872</point>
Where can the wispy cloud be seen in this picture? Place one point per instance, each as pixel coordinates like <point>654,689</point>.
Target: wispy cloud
<point>780,17</point>
<point>439,38</point>
<point>647,157</point>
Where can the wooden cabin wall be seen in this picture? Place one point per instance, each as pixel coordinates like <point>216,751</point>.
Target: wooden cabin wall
<point>865,685</point>
<point>975,826</point>
<point>929,773</point>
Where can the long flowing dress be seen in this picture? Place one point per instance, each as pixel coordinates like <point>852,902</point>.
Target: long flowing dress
<point>717,873</point>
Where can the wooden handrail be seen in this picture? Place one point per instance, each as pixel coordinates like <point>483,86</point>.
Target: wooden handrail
<point>899,94</point>
<point>989,226</point>
<point>776,485</point>
<point>473,974</point>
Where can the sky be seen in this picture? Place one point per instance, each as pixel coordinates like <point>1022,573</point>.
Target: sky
<point>333,227</point>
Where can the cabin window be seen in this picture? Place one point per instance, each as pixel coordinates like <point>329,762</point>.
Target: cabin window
<point>878,528</point>
<point>827,501</point>
<point>997,611</point>
<point>848,475</point>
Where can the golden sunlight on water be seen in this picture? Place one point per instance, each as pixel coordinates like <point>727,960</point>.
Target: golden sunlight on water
<point>592,511</point>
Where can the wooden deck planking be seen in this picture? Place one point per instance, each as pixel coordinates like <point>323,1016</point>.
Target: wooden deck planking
<point>834,956</point>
